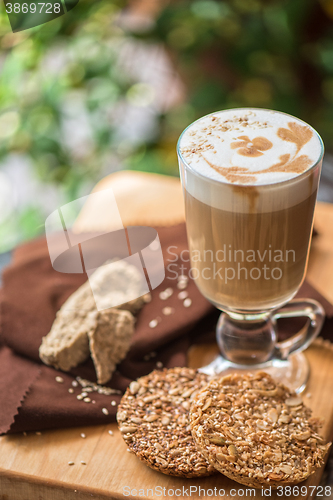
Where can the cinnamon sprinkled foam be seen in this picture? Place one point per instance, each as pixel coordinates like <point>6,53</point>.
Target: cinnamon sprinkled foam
<point>250,146</point>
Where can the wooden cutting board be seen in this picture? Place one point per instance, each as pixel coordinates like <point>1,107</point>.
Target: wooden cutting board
<point>35,467</point>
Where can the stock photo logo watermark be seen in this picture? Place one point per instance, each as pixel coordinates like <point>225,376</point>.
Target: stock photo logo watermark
<point>108,257</point>
<point>228,264</point>
<point>25,14</point>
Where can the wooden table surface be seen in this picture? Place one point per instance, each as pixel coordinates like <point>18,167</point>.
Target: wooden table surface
<point>35,467</point>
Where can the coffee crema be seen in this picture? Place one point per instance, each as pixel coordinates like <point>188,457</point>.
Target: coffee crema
<point>250,146</point>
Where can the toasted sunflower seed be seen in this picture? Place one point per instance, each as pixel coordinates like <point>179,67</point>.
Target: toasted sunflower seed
<point>121,416</point>
<point>232,450</point>
<point>293,401</point>
<point>128,428</point>
<point>286,469</point>
<point>302,436</point>
<point>218,440</point>
<point>165,421</point>
<point>134,387</point>
<point>151,418</point>
<point>273,415</point>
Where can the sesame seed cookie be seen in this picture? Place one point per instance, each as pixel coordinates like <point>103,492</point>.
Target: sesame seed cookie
<point>256,431</point>
<point>153,418</point>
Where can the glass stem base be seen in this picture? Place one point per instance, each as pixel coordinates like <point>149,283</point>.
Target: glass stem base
<point>246,339</point>
<point>249,342</point>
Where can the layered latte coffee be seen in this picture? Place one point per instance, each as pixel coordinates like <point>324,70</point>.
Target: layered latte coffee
<point>250,187</point>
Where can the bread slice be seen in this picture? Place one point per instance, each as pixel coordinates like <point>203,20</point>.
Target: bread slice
<point>119,284</point>
<point>67,343</point>
<point>110,341</point>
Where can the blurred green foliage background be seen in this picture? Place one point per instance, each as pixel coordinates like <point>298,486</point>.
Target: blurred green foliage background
<point>275,54</point>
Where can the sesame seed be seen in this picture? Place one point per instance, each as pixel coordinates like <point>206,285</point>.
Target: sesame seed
<point>38,433</point>
<point>159,364</point>
<point>24,433</point>
<point>166,294</point>
<point>83,462</point>
<point>153,323</point>
<point>71,390</point>
<point>168,310</point>
<point>111,433</point>
<point>113,403</point>
<point>181,285</point>
<point>74,383</point>
<point>87,400</point>
<point>182,277</point>
<point>83,435</point>
<point>105,411</point>
<point>84,394</point>
<point>71,463</point>
<point>93,401</point>
<point>79,397</point>
<point>60,380</point>
<point>187,303</point>
<point>183,295</point>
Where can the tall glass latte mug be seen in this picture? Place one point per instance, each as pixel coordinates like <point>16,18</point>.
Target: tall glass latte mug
<point>250,180</point>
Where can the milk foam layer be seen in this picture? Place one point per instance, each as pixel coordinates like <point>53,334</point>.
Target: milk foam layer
<point>250,146</point>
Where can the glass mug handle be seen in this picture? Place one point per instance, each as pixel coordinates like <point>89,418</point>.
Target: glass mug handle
<point>299,308</point>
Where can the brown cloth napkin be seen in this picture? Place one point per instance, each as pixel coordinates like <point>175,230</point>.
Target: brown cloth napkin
<point>33,292</point>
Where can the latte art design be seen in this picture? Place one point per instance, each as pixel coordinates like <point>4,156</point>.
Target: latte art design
<point>297,164</point>
<point>250,146</point>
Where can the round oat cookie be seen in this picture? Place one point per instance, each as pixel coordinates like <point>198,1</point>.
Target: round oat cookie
<point>153,418</point>
<point>256,431</point>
